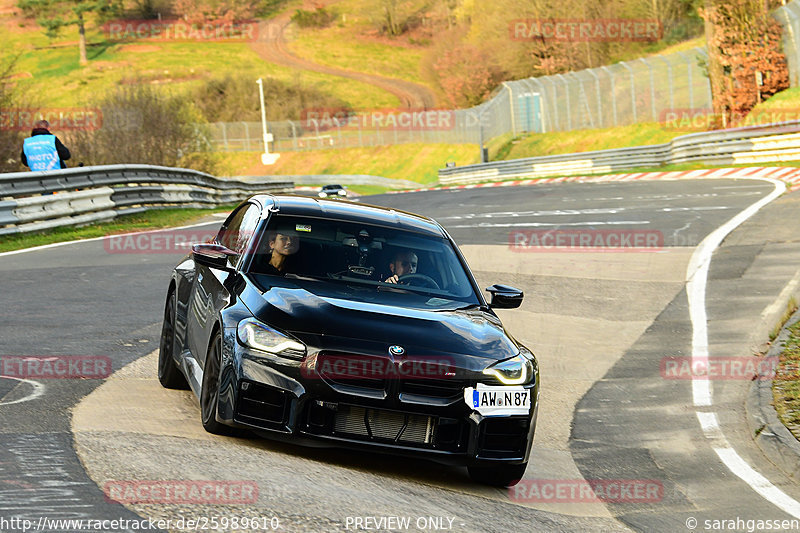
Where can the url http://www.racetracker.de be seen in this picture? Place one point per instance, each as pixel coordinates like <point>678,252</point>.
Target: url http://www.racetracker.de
<point>199,523</point>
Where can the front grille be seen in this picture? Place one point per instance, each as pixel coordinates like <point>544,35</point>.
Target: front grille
<point>377,424</point>
<point>371,425</point>
<point>331,368</point>
<point>433,388</point>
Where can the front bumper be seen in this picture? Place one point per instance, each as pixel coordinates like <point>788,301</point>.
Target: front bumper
<point>407,417</point>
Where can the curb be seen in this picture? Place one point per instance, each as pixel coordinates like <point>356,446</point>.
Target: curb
<point>771,436</point>
<point>789,175</point>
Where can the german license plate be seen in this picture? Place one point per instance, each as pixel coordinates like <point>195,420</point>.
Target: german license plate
<point>491,400</point>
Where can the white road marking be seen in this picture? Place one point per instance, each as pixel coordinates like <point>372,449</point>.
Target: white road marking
<point>783,297</point>
<point>38,390</point>
<point>553,224</point>
<point>697,280</point>
<point>759,483</point>
<point>555,212</point>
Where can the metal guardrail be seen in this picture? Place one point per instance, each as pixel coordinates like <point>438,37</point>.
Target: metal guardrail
<point>755,144</point>
<point>32,201</point>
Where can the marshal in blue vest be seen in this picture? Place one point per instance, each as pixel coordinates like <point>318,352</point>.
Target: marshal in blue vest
<point>40,150</point>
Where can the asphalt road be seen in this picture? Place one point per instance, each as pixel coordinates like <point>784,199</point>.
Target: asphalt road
<point>599,322</point>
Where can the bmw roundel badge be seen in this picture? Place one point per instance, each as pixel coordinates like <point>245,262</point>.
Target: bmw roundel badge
<point>396,350</point>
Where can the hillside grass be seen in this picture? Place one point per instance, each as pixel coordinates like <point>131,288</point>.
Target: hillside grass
<point>565,142</point>
<point>413,162</point>
<point>337,46</point>
<point>52,72</point>
<point>781,107</point>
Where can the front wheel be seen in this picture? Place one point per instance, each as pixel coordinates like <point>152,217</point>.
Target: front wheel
<point>209,392</point>
<point>169,375</point>
<point>498,475</point>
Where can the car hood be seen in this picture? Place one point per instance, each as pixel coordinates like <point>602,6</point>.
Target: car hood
<point>327,323</point>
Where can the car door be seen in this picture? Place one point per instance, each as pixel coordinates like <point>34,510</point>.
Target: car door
<point>209,289</point>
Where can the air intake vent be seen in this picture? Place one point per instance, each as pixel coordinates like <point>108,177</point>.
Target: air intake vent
<point>262,406</point>
<point>391,426</point>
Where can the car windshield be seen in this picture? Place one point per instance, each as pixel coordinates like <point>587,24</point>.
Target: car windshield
<point>364,262</point>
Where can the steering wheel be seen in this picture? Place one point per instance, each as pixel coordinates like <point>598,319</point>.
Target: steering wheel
<point>427,281</point>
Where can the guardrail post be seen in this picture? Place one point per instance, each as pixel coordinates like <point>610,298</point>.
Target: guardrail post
<point>706,79</point>
<point>316,131</point>
<point>540,90</point>
<point>569,107</point>
<point>633,90</point>
<point>671,82</point>
<point>511,107</point>
<point>613,92</point>
<point>338,131</point>
<point>294,133</point>
<point>652,89</point>
<point>555,105</point>
<point>689,74</point>
<point>246,137</point>
<point>599,100</point>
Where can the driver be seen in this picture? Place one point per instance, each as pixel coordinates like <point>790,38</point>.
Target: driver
<point>403,262</point>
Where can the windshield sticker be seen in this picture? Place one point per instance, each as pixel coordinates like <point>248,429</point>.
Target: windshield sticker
<point>303,227</point>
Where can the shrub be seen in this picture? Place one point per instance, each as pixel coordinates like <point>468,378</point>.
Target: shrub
<point>464,74</point>
<point>11,97</point>
<point>234,98</point>
<point>319,18</point>
<point>141,125</point>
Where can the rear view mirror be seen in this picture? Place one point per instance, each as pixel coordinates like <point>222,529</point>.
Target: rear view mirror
<point>504,297</point>
<point>212,255</point>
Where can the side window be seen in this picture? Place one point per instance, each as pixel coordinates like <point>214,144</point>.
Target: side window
<point>248,228</point>
<point>239,228</point>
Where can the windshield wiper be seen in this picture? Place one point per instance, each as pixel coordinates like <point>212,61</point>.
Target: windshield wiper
<point>309,277</point>
<point>465,308</point>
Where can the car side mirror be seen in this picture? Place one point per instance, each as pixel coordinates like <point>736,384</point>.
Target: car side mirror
<point>213,255</point>
<point>504,297</point>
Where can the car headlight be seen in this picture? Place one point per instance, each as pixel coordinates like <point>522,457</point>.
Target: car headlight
<point>518,370</point>
<point>261,337</point>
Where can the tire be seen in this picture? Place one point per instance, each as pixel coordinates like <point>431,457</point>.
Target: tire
<point>169,375</point>
<point>499,475</point>
<point>209,391</point>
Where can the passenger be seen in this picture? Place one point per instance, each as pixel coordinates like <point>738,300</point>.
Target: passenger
<point>281,247</point>
<point>403,262</point>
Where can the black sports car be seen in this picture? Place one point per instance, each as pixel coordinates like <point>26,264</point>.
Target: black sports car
<point>332,190</point>
<point>350,325</point>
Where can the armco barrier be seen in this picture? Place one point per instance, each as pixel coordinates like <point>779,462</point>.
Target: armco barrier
<point>31,201</point>
<point>755,144</point>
